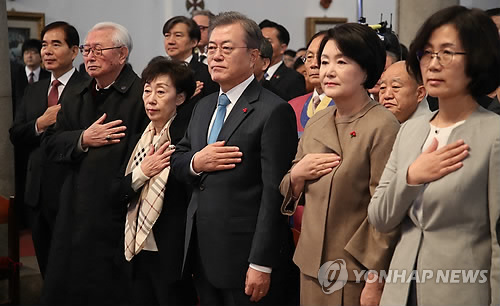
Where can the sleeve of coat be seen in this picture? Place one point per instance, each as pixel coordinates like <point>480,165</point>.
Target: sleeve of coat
<point>393,196</point>
<point>289,206</point>
<point>494,214</point>
<point>60,141</point>
<point>278,147</point>
<point>370,247</point>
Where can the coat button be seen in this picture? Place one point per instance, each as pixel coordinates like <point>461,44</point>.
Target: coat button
<point>202,187</point>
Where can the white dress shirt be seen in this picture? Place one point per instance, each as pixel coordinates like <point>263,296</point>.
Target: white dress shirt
<point>64,79</point>
<point>36,73</point>
<point>271,70</point>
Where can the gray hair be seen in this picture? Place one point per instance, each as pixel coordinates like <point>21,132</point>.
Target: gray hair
<point>120,37</point>
<point>253,34</point>
<point>207,13</point>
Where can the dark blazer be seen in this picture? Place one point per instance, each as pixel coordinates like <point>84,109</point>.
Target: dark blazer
<point>288,83</point>
<point>27,142</point>
<point>237,211</point>
<point>86,260</point>
<point>20,82</point>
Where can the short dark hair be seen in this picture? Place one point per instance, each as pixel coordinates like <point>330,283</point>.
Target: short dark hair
<point>283,35</point>
<point>481,43</point>
<point>298,63</point>
<point>266,49</point>
<point>392,47</point>
<point>360,43</point>
<point>253,35</point>
<point>493,12</point>
<point>193,29</point>
<point>72,38</point>
<point>181,75</point>
<point>320,33</point>
<point>404,52</point>
<point>32,44</point>
<point>290,52</point>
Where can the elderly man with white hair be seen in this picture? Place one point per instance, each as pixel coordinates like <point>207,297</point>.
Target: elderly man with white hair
<point>93,134</point>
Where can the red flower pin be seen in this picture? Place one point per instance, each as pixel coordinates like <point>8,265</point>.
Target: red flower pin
<point>245,110</point>
<point>353,134</point>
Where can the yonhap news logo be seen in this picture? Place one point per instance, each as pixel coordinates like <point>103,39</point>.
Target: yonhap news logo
<point>332,276</point>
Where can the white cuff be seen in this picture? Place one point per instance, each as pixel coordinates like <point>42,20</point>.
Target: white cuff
<point>191,166</point>
<point>36,129</point>
<point>80,147</point>
<point>138,178</point>
<point>261,268</point>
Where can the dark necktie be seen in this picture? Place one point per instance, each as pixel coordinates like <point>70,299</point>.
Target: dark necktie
<point>31,79</point>
<point>54,93</point>
<point>219,118</point>
<point>202,58</point>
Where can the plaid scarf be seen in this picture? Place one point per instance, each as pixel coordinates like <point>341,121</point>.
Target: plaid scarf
<point>143,211</point>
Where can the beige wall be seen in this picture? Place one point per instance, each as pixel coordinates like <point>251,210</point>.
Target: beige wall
<point>412,14</point>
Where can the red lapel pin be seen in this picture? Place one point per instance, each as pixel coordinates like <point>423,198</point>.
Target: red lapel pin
<point>245,110</point>
<point>353,134</point>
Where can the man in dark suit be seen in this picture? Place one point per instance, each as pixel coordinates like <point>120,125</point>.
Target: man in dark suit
<point>287,82</point>
<point>36,113</point>
<point>28,74</point>
<point>91,135</point>
<point>239,144</point>
<point>181,38</point>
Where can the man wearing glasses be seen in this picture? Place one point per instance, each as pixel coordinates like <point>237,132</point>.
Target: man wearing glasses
<point>94,134</point>
<point>37,111</point>
<point>181,38</point>
<point>202,19</point>
<point>239,144</point>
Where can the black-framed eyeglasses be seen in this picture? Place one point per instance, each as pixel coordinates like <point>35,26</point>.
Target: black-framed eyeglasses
<point>202,28</point>
<point>226,50</point>
<point>97,51</point>
<point>444,57</point>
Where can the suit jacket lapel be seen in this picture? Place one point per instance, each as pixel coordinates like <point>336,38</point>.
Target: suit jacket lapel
<point>240,111</point>
<point>329,135</point>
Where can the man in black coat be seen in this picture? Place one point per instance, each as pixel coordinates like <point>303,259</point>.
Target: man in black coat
<point>91,136</point>
<point>181,38</point>
<point>30,73</point>
<point>34,116</point>
<point>287,82</point>
<point>235,156</point>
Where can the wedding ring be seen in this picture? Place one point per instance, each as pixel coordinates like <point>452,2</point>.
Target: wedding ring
<point>108,138</point>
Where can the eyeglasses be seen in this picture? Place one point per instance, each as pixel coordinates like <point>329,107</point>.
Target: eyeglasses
<point>97,51</point>
<point>226,50</point>
<point>309,58</point>
<point>444,57</point>
<point>202,28</point>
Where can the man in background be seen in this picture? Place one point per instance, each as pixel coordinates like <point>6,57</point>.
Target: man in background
<point>182,35</point>
<point>202,19</point>
<point>285,81</point>
<point>401,94</point>
<point>309,104</point>
<point>28,74</point>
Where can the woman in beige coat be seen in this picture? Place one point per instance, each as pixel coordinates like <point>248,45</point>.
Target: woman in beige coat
<point>340,158</point>
<point>442,181</point>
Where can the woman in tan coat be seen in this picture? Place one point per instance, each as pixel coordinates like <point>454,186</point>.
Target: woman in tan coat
<point>340,159</point>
